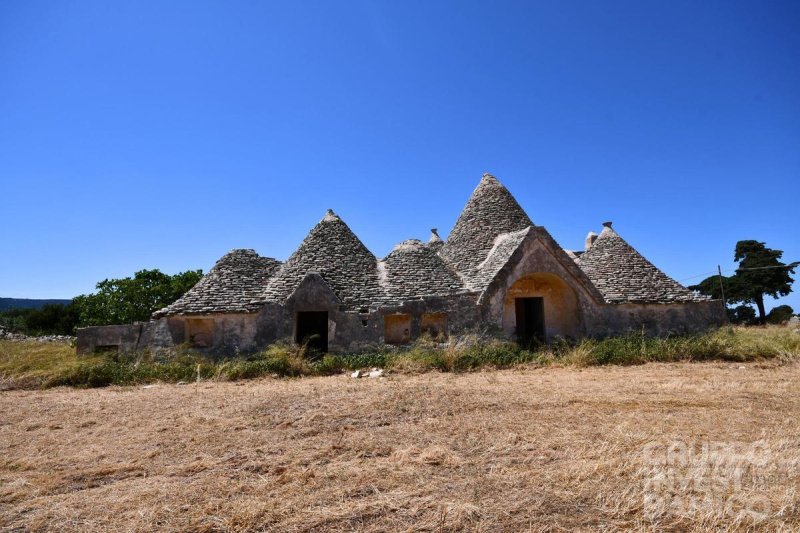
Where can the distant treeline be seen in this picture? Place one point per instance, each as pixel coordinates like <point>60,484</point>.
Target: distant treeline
<point>117,301</point>
<point>7,304</point>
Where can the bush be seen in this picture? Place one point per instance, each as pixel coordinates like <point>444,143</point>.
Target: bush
<point>780,314</point>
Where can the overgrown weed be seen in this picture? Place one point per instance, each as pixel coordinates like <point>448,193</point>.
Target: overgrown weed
<point>33,364</point>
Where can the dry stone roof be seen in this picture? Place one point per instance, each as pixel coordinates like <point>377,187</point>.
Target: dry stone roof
<point>622,274</point>
<point>229,287</point>
<point>504,246</point>
<point>490,211</point>
<point>333,251</point>
<point>489,232</point>
<point>506,249</point>
<point>413,270</point>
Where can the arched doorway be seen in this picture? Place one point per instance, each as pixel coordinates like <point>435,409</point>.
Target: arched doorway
<point>541,305</point>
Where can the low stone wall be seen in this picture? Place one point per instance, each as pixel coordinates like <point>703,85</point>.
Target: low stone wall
<point>6,335</point>
<point>229,334</point>
<point>656,319</point>
<point>124,338</point>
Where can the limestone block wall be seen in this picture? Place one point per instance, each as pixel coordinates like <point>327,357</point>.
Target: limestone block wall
<point>124,338</point>
<point>569,312</point>
<point>568,305</point>
<point>656,319</point>
<point>355,330</point>
<point>223,334</point>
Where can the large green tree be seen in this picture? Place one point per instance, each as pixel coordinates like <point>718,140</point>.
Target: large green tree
<point>126,300</point>
<point>760,273</point>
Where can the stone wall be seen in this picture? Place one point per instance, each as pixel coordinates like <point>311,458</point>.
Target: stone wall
<point>125,338</point>
<point>361,329</point>
<point>539,272</point>
<point>562,312</point>
<point>656,319</point>
<point>229,334</point>
<point>354,331</point>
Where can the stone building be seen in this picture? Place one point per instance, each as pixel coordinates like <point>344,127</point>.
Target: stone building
<point>497,272</point>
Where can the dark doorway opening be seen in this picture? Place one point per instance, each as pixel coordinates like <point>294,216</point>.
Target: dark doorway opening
<point>530,320</point>
<point>312,328</point>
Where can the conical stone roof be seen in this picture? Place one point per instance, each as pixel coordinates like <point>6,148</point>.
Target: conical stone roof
<point>414,270</point>
<point>504,246</point>
<point>490,211</point>
<point>623,275</point>
<point>229,287</point>
<point>333,251</point>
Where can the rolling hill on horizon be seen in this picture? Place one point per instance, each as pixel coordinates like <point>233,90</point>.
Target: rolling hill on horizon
<point>27,303</point>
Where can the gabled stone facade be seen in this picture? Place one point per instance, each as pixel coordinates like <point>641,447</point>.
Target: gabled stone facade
<point>496,272</point>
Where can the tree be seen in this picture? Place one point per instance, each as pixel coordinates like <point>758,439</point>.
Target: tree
<point>742,314</point>
<point>52,319</point>
<point>780,314</point>
<point>760,273</point>
<point>126,300</point>
<point>711,287</point>
<point>14,319</point>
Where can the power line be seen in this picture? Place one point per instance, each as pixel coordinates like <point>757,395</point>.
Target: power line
<point>719,272</point>
<point>791,265</point>
<point>699,275</point>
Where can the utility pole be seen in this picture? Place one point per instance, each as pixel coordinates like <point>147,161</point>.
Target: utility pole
<point>722,287</point>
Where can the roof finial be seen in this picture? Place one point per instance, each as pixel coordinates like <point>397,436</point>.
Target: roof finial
<point>607,224</point>
<point>434,236</point>
<point>590,238</point>
<point>330,216</point>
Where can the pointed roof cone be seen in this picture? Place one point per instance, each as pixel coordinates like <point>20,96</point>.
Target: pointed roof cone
<point>413,270</point>
<point>623,275</point>
<point>489,212</point>
<point>332,250</point>
<point>230,286</point>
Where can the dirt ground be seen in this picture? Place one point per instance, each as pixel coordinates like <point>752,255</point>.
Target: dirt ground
<point>654,447</point>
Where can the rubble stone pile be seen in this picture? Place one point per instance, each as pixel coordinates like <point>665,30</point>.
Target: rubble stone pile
<point>8,335</point>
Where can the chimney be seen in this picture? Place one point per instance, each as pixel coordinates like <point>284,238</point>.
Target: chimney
<point>590,238</point>
<point>435,241</point>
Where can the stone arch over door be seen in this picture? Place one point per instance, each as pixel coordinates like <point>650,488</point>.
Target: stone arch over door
<point>562,312</point>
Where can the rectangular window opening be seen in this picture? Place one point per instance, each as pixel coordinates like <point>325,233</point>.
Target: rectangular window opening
<point>106,348</point>
<point>434,325</point>
<point>397,329</point>
<point>200,332</point>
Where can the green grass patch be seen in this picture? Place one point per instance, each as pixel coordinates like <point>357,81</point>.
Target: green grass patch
<point>32,364</point>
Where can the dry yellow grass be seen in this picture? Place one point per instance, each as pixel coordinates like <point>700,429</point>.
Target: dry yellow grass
<point>654,447</point>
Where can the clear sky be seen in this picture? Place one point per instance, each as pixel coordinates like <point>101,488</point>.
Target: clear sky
<point>157,134</point>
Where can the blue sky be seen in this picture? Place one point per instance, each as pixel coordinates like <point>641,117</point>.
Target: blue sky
<point>162,134</point>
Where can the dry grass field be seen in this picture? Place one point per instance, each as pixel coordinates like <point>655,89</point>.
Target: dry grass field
<point>677,446</point>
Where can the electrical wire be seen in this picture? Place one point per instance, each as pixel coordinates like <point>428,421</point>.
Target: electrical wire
<point>790,265</point>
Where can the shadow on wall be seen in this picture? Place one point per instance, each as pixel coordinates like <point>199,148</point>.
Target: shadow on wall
<point>561,314</point>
